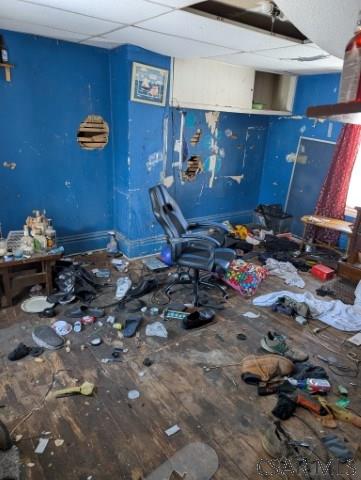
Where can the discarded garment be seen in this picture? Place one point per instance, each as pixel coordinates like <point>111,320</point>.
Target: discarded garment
<point>286,271</point>
<point>333,312</point>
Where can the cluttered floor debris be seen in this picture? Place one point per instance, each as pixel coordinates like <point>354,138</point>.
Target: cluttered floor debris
<point>133,390</point>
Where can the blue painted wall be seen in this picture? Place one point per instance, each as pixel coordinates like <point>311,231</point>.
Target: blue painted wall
<point>144,155</point>
<point>54,86</point>
<point>284,134</point>
<point>57,84</point>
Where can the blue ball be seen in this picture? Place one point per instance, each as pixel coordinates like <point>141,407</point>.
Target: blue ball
<point>166,255</point>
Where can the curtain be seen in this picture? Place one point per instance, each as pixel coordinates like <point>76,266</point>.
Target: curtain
<point>333,195</point>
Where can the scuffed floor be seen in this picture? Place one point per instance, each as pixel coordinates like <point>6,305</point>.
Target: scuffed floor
<point>108,436</point>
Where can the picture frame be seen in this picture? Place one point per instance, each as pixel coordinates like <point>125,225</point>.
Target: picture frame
<point>149,84</point>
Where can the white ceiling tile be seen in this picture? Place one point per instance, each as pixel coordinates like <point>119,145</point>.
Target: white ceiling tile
<point>167,45</point>
<point>121,11</point>
<point>293,52</point>
<point>53,18</point>
<point>24,27</point>
<point>100,42</point>
<point>175,3</point>
<point>275,64</point>
<point>204,29</point>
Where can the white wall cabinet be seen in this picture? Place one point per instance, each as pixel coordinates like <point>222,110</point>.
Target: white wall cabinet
<point>210,85</point>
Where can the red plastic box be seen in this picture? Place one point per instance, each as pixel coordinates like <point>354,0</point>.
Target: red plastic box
<point>322,272</point>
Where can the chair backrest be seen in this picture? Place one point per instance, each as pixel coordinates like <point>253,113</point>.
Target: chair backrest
<point>167,212</point>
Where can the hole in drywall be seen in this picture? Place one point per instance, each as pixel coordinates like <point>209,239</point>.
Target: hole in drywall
<point>93,133</point>
<point>194,166</point>
<point>196,137</point>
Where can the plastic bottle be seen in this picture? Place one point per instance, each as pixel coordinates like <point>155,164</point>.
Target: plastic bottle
<point>112,246</point>
<point>350,87</point>
<point>312,385</point>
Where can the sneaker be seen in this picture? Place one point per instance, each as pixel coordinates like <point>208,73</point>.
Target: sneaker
<point>275,343</point>
<point>274,441</point>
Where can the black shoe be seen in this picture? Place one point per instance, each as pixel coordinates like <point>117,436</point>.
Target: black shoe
<point>199,318</point>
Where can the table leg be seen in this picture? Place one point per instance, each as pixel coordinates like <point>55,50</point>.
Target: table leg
<point>49,277</point>
<point>7,288</point>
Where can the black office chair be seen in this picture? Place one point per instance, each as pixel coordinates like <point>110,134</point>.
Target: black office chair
<point>171,218</point>
<point>192,247</point>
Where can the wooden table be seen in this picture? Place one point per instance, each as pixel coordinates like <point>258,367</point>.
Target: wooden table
<point>325,222</point>
<point>27,272</point>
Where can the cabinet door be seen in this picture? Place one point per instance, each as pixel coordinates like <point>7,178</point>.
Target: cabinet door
<point>207,84</point>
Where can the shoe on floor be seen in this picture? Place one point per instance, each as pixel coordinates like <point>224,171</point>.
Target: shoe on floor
<point>275,343</point>
<point>198,318</point>
<point>275,442</point>
<point>19,352</point>
<point>83,311</point>
<point>46,337</point>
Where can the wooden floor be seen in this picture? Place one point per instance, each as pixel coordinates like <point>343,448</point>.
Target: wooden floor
<point>108,436</point>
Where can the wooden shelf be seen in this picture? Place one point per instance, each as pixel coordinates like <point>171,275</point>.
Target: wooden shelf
<point>7,67</point>
<point>349,112</point>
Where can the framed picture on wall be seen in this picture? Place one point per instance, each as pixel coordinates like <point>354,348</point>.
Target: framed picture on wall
<point>149,84</point>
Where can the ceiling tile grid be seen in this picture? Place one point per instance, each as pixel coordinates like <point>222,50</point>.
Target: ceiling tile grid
<point>160,26</point>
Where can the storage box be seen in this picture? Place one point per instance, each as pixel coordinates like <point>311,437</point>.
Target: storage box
<point>322,272</point>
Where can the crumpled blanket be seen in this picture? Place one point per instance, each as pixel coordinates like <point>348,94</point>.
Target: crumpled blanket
<point>286,271</point>
<point>333,312</point>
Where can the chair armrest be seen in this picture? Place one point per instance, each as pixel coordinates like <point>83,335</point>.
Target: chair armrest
<point>203,243</point>
<point>217,226</point>
<point>202,236</point>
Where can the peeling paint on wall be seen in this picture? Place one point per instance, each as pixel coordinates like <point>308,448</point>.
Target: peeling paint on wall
<point>229,134</point>
<point>153,159</point>
<point>236,178</point>
<point>168,181</point>
<point>9,165</point>
<point>212,121</point>
<point>291,157</point>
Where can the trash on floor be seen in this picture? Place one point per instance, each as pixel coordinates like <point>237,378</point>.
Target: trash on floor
<point>172,430</point>
<point>46,337</point>
<point>156,329</point>
<point>43,443</point>
<point>86,388</point>
<point>244,277</point>
<point>123,285</point>
<point>250,315</point>
<point>286,271</point>
<point>62,327</point>
<point>133,394</point>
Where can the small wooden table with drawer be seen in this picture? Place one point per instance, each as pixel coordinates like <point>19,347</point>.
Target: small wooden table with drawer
<point>26,272</point>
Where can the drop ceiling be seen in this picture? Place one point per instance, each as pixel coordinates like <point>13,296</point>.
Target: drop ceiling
<point>161,26</point>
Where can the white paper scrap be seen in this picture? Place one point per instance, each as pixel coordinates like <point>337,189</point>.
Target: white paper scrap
<point>43,442</point>
<point>250,315</point>
<point>172,430</point>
